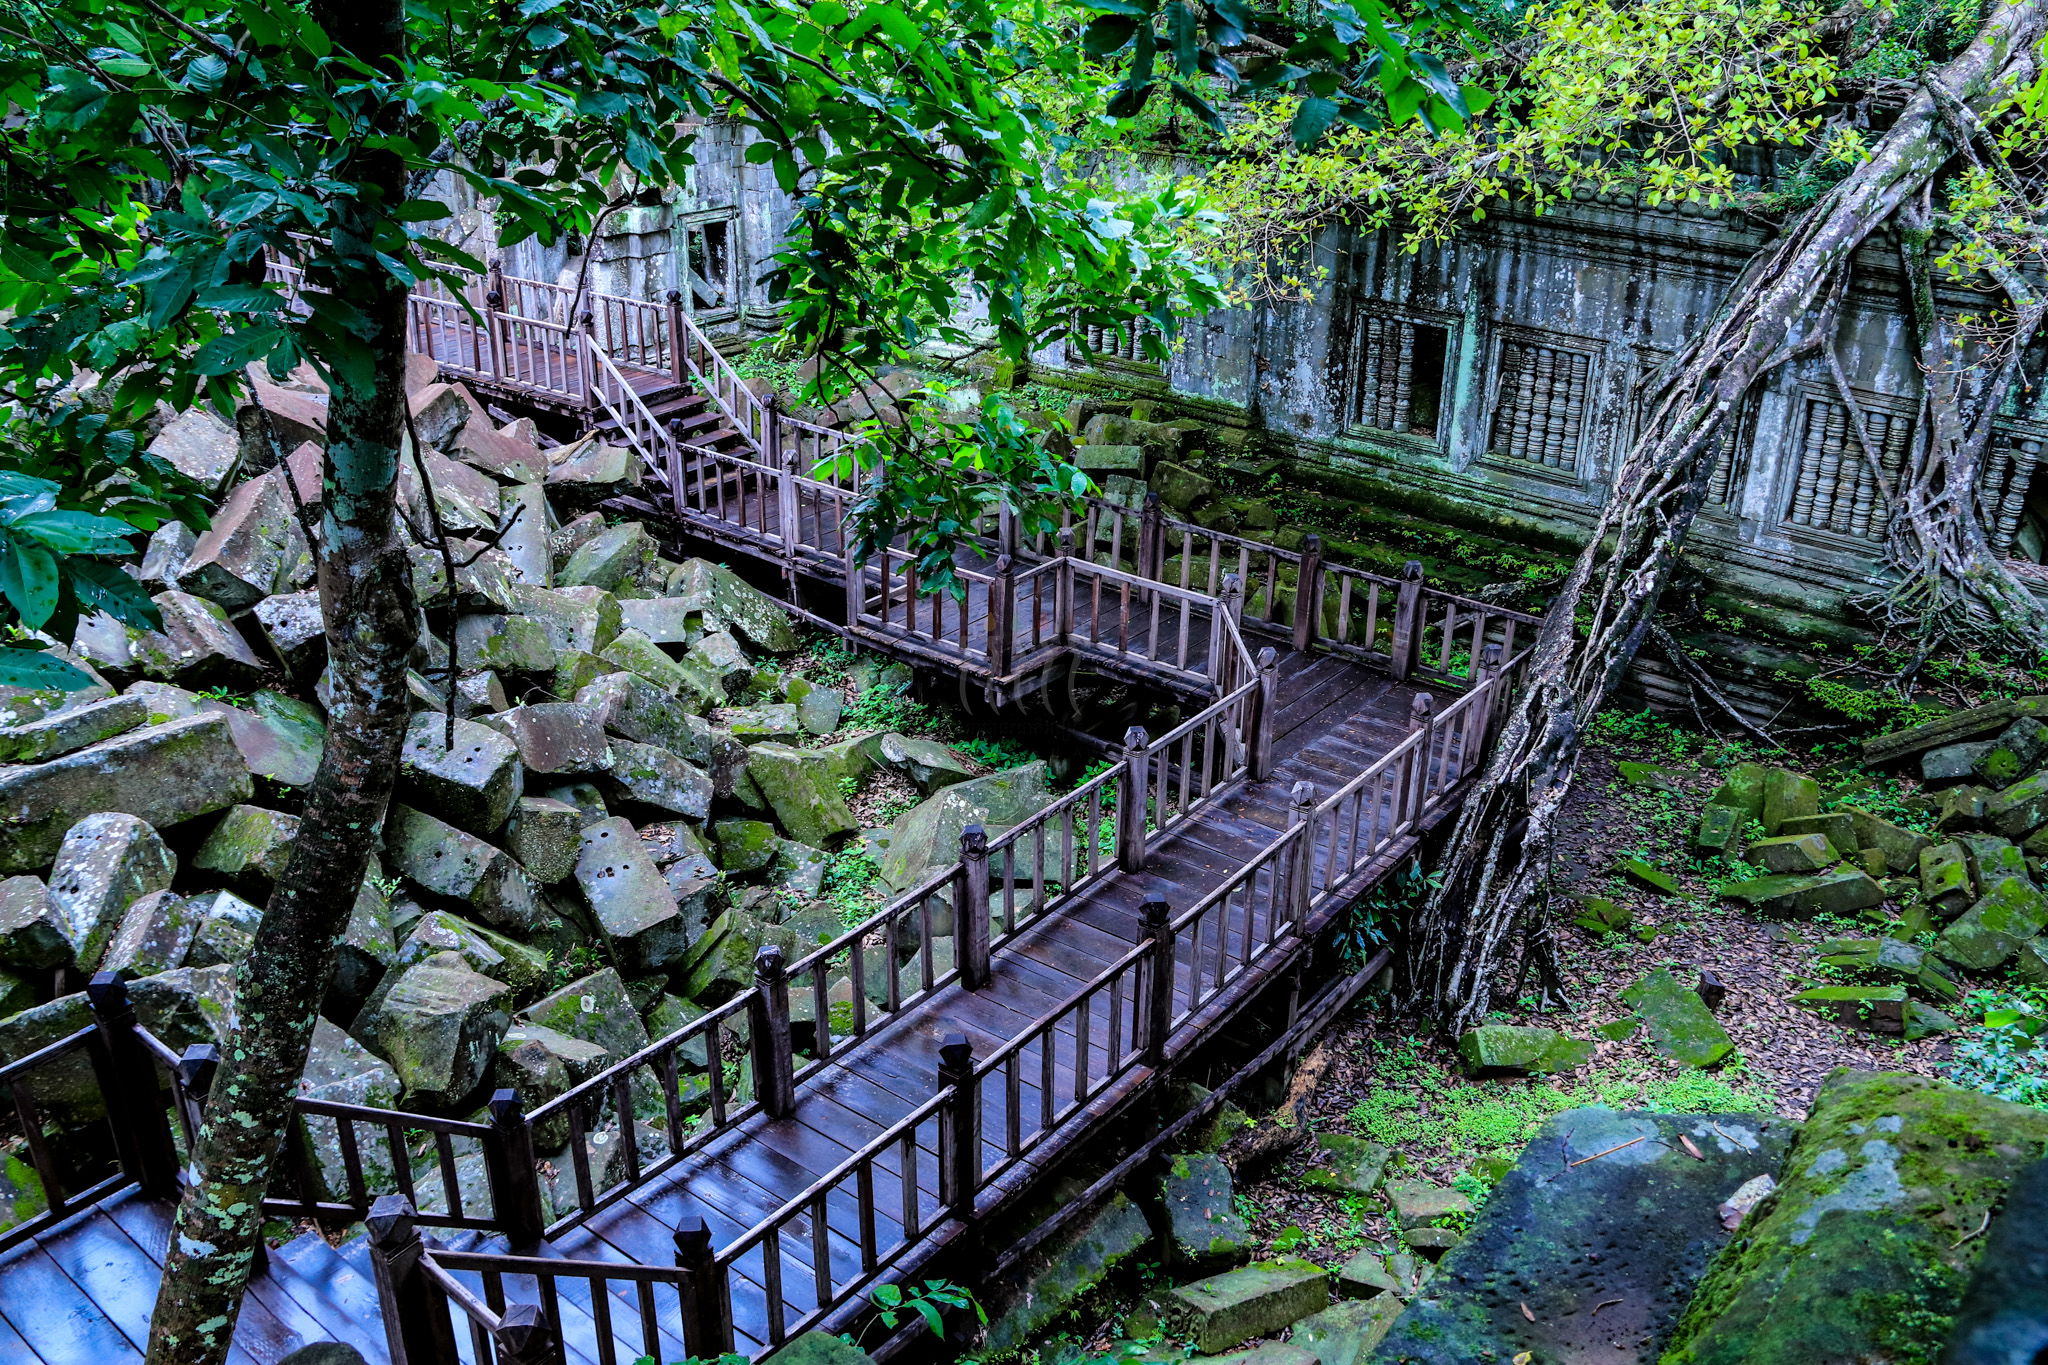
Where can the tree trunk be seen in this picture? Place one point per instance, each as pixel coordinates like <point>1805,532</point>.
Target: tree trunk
<point>1498,861</point>
<point>367,603</point>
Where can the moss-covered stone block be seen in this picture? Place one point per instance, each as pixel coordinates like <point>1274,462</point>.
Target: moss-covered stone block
<point>1421,1204</point>
<point>1681,1026</point>
<point>1990,932</point>
<point>1649,876</point>
<point>1794,853</point>
<point>1719,830</point>
<point>1346,1333</point>
<point>2020,809</point>
<point>1787,795</point>
<point>1901,846</point>
<point>1254,1301</point>
<point>1078,1263</point>
<point>1873,1009</point>
<point>1945,878</point>
<point>1600,916</point>
<point>1347,1165</point>
<point>1203,1226</point>
<point>1742,789</point>
<point>1843,891</point>
<point>1864,1250</point>
<point>1515,1050</point>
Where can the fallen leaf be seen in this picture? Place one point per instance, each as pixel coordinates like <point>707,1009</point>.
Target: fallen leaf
<point>1691,1150</point>
<point>1526,1313</point>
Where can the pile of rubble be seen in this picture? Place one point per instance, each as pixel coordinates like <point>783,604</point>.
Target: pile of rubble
<point>639,794</point>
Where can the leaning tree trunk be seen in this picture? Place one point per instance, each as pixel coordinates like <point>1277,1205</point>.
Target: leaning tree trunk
<point>1784,304</point>
<point>367,603</point>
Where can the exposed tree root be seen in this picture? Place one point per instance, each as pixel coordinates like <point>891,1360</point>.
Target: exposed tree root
<point>1498,861</point>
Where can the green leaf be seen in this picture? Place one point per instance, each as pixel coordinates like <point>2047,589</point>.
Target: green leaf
<point>72,533</point>
<point>1312,120</point>
<point>1107,33</point>
<point>32,668</point>
<point>100,586</point>
<point>28,580</point>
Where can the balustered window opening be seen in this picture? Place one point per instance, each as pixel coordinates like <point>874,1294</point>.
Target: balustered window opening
<point>2015,514</point>
<point>1834,487</point>
<point>1118,344</point>
<point>1399,372</point>
<point>1543,401</point>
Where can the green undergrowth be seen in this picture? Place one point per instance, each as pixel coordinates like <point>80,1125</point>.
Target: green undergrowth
<point>1437,1119</point>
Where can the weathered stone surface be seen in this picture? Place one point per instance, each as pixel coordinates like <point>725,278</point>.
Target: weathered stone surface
<point>596,1008</point>
<point>587,472</point>
<point>1873,1009</point>
<point>1787,794</point>
<point>1100,459</point>
<point>524,506</point>
<point>1203,1226</point>
<point>736,605</point>
<point>545,837</point>
<point>340,1070</point>
<point>569,618</point>
<point>1347,1165</point>
<point>1795,853</point>
<point>760,724</point>
<point>681,846</point>
<point>448,862</point>
<point>1346,1333</point>
<point>1742,789</point>
<point>1513,1050</point>
<point>199,445</point>
<point>278,737</point>
<point>1893,959</point>
<point>720,962</point>
<point>1600,916</point>
<point>554,737</point>
<point>636,653</point>
<point>1253,1301</point>
<point>718,655</point>
<point>197,646</point>
<point>928,763</point>
<point>1950,729</point>
<point>472,784</point>
<point>655,777</point>
<point>249,844</point>
<point>541,1064</point>
<point>1945,878</point>
<point>2003,1316</point>
<point>631,707</point>
<point>627,896</point>
<point>31,936</point>
<point>928,836</point>
<point>666,620</point>
<point>227,930</point>
<point>1601,1207</point>
<point>105,864</point>
<point>66,1087</point>
<point>2020,809</point>
<point>252,550</point>
<point>510,644</point>
<point>818,709</point>
<point>1954,762</point>
<point>802,789</point>
<point>496,956</point>
<point>744,845</point>
<point>292,627</point>
<point>1420,1204</point>
<point>65,731</point>
<point>1840,892</point>
<point>1681,1026</point>
<point>1077,1264</point>
<point>1877,1210</point>
<point>1990,932</point>
<point>438,1025</point>
<point>1901,846</point>
<point>154,936</point>
<point>1719,830</point>
<point>163,559</point>
<point>1993,859</point>
<point>613,556</point>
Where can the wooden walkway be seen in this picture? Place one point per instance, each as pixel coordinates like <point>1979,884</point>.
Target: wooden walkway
<point>910,1077</point>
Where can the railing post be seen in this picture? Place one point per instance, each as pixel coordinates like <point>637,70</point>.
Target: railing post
<point>1301,809</point>
<point>970,908</point>
<point>494,310</point>
<point>1156,929</point>
<point>1265,715</point>
<point>416,1321</point>
<point>1308,594</point>
<point>1063,600</point>
<point>1151,537</point>
<point>127,1079</point>
<point>783,462</point>
<point>1415,767</point>
<point>515,1193</point>
<point>1131,807</point>
<point>1002,616</point>
<point>1407,622</point>
<point>678,368</point>
<point>768,1021</point>
<point>707,1294</point>
<point>856,588</point>
<point>526,1337</point>
<point>1229,607</point>
<point>585,368</point>
<point>1483,714</point>
<point>959,1128</point>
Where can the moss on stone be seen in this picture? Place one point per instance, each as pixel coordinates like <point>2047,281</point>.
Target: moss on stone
<point>1863,1251</point>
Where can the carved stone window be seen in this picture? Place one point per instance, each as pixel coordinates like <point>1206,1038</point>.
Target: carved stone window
<point>709,264</point>
<point>1835,488</point>
<point>1400,376</point>
<point>2014,527</point>
<point>1121,345</point>
<point>1543,402</point>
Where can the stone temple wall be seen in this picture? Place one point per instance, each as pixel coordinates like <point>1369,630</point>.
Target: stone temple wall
<point>1494,379</point>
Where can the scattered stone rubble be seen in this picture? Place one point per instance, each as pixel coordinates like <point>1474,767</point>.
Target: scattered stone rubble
<point>639,794</point>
